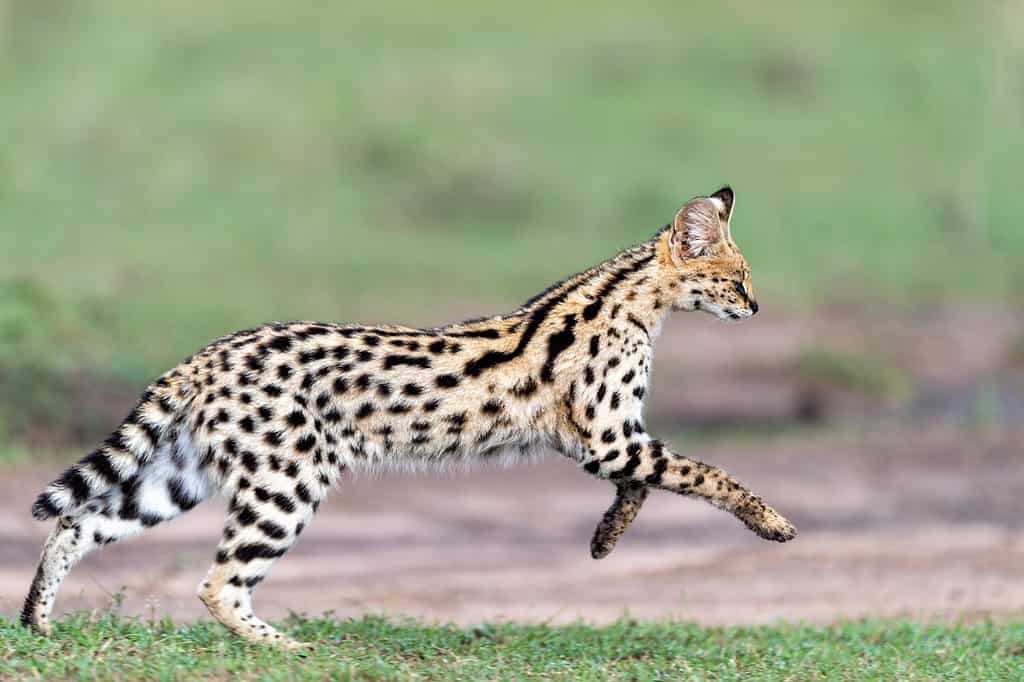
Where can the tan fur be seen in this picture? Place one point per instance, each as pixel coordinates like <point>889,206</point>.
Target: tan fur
<point>271,417</point>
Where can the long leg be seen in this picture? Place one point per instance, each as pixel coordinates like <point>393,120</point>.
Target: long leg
<point>170,483</point>
<point>65,546</point>
<point>649,462</point>
<point>264,520</point>
<point>629,497</point>
<point>75,537</point>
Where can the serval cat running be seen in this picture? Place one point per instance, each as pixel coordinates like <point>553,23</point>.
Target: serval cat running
<point>271,417</point>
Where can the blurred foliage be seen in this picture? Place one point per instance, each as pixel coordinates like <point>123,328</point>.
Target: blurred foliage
<point>201,167</point>
<point>845,371</point>
<point>43,371</point>
<point>172,171</point>
<point>31,325</point>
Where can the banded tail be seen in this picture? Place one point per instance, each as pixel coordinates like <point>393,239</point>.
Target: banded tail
<point>117,461</point>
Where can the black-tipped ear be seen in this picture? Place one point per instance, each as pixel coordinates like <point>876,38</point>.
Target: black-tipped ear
<point>726,196</point>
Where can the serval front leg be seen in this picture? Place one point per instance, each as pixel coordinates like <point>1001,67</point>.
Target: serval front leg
<point>648,462</point>
<point>629,497</point>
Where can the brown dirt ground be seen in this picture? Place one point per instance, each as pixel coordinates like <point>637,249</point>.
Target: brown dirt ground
<point>903,513</point>
<point>922,522</point>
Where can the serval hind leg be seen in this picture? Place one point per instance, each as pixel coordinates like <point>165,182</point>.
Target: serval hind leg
<point>263,523</point>
<point>138,504</point>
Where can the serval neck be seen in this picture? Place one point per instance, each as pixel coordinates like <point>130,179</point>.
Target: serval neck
<point>628,287</point>
<point>631,289</point>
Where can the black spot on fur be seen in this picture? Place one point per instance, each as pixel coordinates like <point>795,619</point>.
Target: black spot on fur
<point>99,462</point>
<point>638,324</point>
<point>557,343</point>
<point>654,478</point>
<point>312,355</point>
<point>447,381</point>
<point>258,550</point>
<point>627,470</point>
<point>284,503</point>
<point>272,530</point>
<point>76,484</point>
<point>249,461</point>
<point>180,495</point>
<point>392,361</point>
<point>280,343</point>
<point>525,388</point>
<point>246,516</point>
<point>612,455</point>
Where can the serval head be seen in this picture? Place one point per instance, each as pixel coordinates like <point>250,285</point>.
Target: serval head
<point>712,273</point>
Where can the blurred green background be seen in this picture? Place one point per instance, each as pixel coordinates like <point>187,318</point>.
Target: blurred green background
<point>172,171</point>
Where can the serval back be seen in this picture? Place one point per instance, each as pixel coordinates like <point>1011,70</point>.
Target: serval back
<point>271,417</point>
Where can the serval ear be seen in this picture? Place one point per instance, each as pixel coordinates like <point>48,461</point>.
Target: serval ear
<point>726,198</point>
<point>697,229</point>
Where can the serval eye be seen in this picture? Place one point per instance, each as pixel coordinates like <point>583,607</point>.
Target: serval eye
<point>740,289</point>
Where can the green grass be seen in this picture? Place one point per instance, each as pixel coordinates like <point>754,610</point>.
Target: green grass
<point>177,170</point>
<point>374,648</point>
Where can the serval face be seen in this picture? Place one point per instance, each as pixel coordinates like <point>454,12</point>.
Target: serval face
<point>714,275</point>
